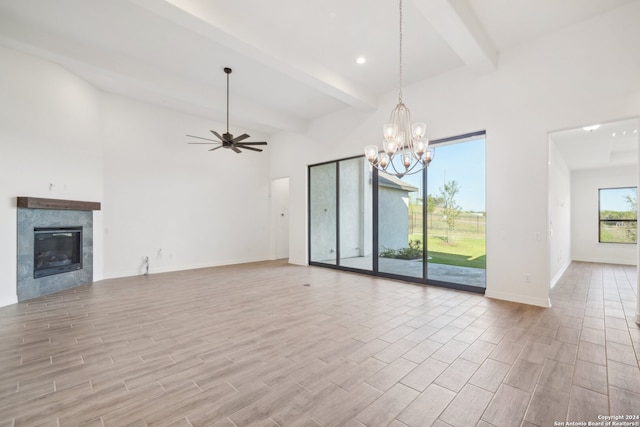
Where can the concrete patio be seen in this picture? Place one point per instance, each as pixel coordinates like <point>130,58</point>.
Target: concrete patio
<point>413,268</point>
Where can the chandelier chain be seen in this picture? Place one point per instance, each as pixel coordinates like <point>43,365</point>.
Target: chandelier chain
<point>406,148</point>
<point>400,74</point>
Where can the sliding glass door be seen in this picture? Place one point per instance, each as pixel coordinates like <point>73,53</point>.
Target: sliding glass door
<point>400,230</point>
<point>340,214</point>
<point>456,213</point>
<point>354,191</point>
<point>323,211</point>
<point>428,227</point>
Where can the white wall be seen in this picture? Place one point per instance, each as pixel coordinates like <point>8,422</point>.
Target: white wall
<point>279,208</point>
<point>584,215</point>
<point>638,261</point>
<point>50,147</point>
<point>559,214</point>
<point>203,209</point>
<point>584,74</point>
<point>180,205</point>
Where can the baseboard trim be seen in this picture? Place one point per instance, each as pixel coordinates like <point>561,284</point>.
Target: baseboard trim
<point>8,301</point>
<point>523,299</point>
<point>559,274</point>
<point>153,270</point>
<point>604,261</point>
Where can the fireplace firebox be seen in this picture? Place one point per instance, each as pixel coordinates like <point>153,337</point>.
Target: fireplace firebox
<point>56,250</point>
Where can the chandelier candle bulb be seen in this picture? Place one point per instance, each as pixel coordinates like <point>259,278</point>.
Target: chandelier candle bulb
<point>389,131</point>
<point>390,147</point>
<point>406,160</point>
<point>371,152</point>
<point>420,145</point>
<point>419,129</point>
<point>384,161</point>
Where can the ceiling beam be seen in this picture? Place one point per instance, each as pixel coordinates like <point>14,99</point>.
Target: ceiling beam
<point>193,16</point>
<point>460,28</point>
<point>109,72</point>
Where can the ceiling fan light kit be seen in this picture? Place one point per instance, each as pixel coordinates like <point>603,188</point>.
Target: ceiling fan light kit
<point>226,139</point>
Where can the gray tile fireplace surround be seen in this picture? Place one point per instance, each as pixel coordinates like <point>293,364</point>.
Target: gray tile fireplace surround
<point>27,286</point>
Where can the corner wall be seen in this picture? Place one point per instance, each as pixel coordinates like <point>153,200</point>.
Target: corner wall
<point>536,88</point>
<point>50,147</point>
<point>560,209</point>
<point>178,204</point>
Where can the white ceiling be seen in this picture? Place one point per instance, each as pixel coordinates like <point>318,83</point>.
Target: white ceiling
<point>293,60</point>
<point>610,145</point>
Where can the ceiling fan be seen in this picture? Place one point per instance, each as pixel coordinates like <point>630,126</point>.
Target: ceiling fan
<point>226,139</point>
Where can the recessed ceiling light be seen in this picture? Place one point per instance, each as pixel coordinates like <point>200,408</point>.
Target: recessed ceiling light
<point>635,131</point>
<point>361,60</point>
<point>613,134</point>
<point>591,128</point>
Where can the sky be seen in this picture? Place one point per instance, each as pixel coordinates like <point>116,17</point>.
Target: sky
<point>614,199</point>
<point>462,162</point>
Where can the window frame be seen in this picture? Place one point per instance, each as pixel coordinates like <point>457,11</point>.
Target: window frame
<point>600,220</point>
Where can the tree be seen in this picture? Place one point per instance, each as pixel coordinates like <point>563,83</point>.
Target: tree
<point>432,204</point>
<point>632,233</point>
<point>450,208</point>
<point>633,203</point>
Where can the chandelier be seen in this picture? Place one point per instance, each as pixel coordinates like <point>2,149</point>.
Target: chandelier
<point>402,139</point>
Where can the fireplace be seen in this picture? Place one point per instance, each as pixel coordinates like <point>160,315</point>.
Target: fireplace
<point>56,250</point>
<point>54,236</point>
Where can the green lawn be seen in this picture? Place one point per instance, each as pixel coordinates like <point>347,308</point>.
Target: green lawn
<point>614,234</point>
<point>462,251</point>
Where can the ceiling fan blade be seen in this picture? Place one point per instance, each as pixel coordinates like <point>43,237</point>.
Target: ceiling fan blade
<point>226,139</point>
<point>217,134</point>
<point>240,138</point>
<point>204,143</point>
<point>248,148</point>
<point>199,137</point>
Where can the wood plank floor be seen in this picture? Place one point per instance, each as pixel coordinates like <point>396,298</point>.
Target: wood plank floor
<point>252,345</point>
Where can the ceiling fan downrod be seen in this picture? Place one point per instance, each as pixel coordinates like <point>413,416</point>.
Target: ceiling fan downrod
<point>228,71</point>
<point>226,140</point>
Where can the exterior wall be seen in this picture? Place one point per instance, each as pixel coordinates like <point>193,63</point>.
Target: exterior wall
<point>323,213</point>
<point>352,208</point>
<point>393,213</point>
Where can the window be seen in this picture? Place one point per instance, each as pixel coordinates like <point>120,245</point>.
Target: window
<point>618,215</point>
<point>322,213</point>
<point>355,212</point>
<point>456,212</point>
<point>340,214</point>
<point>428,227</point>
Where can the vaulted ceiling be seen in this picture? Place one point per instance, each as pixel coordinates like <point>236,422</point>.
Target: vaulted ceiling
<point>292,60</point>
